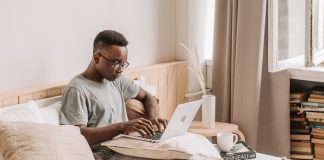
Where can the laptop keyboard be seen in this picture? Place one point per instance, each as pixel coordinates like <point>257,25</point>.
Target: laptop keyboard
<point>157,136</point>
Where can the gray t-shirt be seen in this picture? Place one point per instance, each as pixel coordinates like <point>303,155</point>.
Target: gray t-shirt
<point>96,104</point>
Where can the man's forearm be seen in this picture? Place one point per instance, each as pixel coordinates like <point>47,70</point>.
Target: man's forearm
<point>99,135</point>
<point>151,106</point>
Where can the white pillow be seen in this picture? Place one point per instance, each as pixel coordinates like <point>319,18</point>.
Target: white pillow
<point>25,112</point>
<point>36,141</point>
<point>47,101</point>
<point>51,114</point>
<point>188,146</point>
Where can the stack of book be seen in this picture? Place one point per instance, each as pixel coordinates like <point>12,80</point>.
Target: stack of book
<point>299,124</point>
<point>318,140</point>
<point>295,101</point>
<point>300,131</point>
<point>301,147</point>
<point>316,94</point>
<point>314,109</point>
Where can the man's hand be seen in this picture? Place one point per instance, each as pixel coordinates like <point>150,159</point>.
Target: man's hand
<point>160,123</point>
<point>140,125</point>
<point>152,109</point>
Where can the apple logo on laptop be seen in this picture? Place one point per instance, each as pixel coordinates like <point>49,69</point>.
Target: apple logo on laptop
<point>183,119</point>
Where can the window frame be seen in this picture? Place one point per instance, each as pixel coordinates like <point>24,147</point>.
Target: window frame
<point>309,59</point>
<point>274,64</point>
<point>308,34</point>
<point>317,57</point>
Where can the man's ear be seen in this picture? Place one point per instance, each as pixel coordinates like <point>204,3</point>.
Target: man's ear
<point>96,57</point>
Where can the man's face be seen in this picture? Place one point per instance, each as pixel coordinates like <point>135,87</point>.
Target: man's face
<point>111,61</point>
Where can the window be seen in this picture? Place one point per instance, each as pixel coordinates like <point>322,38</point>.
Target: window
<point>209,30</point>
<point>318,31</point>
<point>295,33</point>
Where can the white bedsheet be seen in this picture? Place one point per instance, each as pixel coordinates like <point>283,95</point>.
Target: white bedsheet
<point>261,156</point>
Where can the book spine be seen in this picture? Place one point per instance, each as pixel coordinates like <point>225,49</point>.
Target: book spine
<point>312,104</point>
<point>316,126</point>
<point>316,96</point>
<point>297,95</point>
<point>298,119</point>
<point>317,92</point>
<point>315,100</point>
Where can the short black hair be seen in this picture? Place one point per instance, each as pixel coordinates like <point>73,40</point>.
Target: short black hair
<point>108,37</point>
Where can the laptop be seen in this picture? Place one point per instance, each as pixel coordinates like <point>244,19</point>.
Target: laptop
<point>178,124</point>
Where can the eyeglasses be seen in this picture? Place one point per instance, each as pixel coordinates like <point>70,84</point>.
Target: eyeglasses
<point>117,64</point>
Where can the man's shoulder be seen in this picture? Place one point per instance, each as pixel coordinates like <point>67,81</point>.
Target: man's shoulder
<point>77,83</point>
<point>76,87</point>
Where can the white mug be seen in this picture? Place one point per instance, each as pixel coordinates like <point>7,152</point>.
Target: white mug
<point>226,141</point>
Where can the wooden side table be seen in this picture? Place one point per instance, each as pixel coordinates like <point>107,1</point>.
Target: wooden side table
<point>196,127</point>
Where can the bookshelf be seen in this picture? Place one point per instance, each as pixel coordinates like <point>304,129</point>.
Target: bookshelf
<point>306,117</point>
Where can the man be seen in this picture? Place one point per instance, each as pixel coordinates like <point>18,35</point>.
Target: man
<point>95,99</point>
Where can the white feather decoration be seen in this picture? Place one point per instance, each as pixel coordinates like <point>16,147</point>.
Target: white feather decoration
<point>196,67</point>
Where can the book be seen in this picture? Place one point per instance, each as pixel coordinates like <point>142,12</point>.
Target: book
<point>312,104</point>
<point>294,109</point>
<point>302,137</point>
<point>301,149</point>
<point>298,119</point>
<point>297,115</point>
<point>315,116</point>
<point>297,95</point>
<point>298,123</point>
<point>316,96</point>
<point>304,127</point>
<point>317,90</point>
<point>318,130</point>
<point>316,100</point>
<point>315,120</point>
<point>315,113</point>
<point>319,157</point>
<point>301,156</point>
<point>316,126</point>
<point>309,108</point>
<point>301,144</point>
<point>317,135</point>
<point>318,140</point>
<point>316,123</point>
<point>294,102</point>
<point>299,131</point>
<point>239,151</point>
<point>319,149</point>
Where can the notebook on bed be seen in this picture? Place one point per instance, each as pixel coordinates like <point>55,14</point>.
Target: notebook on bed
<point>178,124</point>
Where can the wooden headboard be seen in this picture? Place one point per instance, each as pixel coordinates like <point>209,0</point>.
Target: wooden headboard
<point>171,80</point>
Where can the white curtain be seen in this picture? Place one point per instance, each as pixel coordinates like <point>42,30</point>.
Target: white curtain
<point>247,94</point>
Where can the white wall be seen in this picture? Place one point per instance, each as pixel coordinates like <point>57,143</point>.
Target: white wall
<point>182,25</point>
<point>43,41</point>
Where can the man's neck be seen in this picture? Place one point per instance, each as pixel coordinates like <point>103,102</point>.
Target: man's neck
<point>91,74</point>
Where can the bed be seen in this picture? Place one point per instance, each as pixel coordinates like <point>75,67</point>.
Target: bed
<point>29,117</point>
